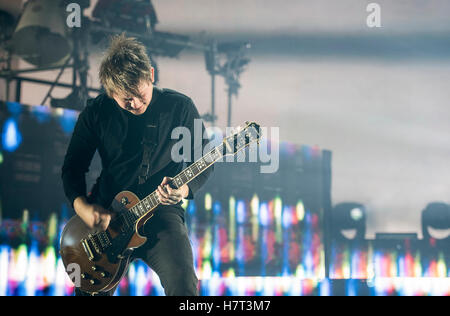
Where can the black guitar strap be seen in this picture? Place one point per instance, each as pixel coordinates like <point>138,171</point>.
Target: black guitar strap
<point>149,142</point>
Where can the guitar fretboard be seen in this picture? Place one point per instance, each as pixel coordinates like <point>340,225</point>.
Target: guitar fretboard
<point>149,203</point>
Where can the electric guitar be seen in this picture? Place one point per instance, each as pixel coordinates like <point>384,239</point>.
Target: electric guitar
<point>102,257</point>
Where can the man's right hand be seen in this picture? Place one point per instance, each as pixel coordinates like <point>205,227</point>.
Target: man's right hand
<point>93,215</point>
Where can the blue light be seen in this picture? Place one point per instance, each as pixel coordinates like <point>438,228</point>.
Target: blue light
<point>287,217</point>
<point>309,264</point>
<point>264,214</point>
<point>240,210</point>
<point>11,137</point>
<point>325,287</point>
<point>191,207</point>
<point>68,120</point>
<point>355,258</point>
<point>216,249</point>
<point>14,108</point>
<point>240,251</point>
<point>217,208</point>
<point>41,113</point>
<point>352,287</point>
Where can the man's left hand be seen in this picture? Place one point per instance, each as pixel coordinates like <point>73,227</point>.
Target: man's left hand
<point>170,196</point>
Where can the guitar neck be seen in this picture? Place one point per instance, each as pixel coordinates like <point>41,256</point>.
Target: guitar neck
<point>150,202</point>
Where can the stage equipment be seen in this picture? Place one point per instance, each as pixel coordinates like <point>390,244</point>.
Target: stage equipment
<point>41,36</point>
<point>80,56</point>
<point>138,19</point>
<point>349,221</point>
<point>7,23</point>
<point>43,39</point>
<point>400,242</point>
<point>227,60</point>
<point>396,236</point>
<point>436,221</point>
<point>76,100</point>
<point>129,15</point>
<point>9,11</point>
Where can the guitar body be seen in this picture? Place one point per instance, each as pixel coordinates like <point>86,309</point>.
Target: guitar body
<point>102,260</point>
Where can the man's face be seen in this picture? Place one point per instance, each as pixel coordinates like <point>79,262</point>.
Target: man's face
<point>136,105</point>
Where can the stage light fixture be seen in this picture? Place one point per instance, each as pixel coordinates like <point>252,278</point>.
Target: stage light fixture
<point>349,221</point>
<point>436,221</point>
<point>41,36</point>
<point>76,100</point>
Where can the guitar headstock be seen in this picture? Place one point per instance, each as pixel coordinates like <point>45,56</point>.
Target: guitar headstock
<point>244,136</point>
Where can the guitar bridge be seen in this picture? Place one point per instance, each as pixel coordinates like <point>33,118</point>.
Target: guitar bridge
<point>94,243</point>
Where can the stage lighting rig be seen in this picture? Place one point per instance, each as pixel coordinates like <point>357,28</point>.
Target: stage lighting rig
<point>436,221</point>
<point>44,39</point>
<point>137,16</point>
<point>349,221</point>
<point>227,59</point>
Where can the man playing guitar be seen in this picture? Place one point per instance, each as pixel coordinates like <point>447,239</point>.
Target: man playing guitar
<point>130,126</point>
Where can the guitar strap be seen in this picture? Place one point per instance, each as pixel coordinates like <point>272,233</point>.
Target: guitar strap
<point>149,143</point>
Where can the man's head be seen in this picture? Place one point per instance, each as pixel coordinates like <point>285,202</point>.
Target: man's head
<point>127,74</point>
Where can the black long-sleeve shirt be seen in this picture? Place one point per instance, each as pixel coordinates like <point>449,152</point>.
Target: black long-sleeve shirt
<point>117,135</point>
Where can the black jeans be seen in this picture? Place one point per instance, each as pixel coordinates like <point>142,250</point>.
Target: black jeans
<point>168,252</point>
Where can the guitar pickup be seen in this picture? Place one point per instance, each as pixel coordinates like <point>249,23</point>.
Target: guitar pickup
<point>87,249</point>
